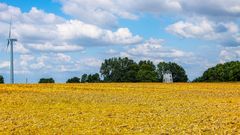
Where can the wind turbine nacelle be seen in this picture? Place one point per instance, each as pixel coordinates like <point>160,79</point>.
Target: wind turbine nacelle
<point>13,40</point>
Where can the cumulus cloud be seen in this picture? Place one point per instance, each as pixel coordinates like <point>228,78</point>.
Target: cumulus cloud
<point>107,12</point>
<point>155,50</point>
<point>157,7</point>
<point>75,29</point>
<point>52,62</point>
<point>219,9</point>
<point>224,33</point>
<point>230,54</point>
<point>55,48</point>
<point>4,64</point>
<point>97,12</point>
<point>203,29</point>
<point>19,48</point>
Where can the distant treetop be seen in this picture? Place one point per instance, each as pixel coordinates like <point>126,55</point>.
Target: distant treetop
<point>46,80</point>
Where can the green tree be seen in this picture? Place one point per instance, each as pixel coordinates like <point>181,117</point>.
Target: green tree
<point>46,80</point>
<point>73,80</point>
<point>89,78</point>
<point>119,70</point>
<point>147,72</point>
<point>178,72</point>
<point>227,72</point>
<point>95,78</point>
<point>84,78</point>
<point>1,79</point>
<point>131,74</point>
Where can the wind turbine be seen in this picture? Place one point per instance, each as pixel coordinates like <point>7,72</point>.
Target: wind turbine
<point>10,43</point>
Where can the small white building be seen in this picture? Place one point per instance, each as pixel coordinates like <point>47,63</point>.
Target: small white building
<point>167,77</point>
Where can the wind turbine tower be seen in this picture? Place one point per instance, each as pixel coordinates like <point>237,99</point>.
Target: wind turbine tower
<point>10,43</point>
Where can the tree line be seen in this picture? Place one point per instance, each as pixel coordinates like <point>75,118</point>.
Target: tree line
<point>127,70</point>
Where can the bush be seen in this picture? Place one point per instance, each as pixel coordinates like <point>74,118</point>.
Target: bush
<point>46,80</point>
<point>73,80</point>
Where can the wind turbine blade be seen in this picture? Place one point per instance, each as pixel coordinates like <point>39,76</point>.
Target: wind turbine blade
<point>10,29</point>
<point>10,33</point>
<point>8,43</point>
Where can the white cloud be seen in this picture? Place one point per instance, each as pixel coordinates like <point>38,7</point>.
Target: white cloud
<point>201,28</point>
<point>211,17</point>
<point>7,11</point>
<point>197,29</point>
<point>153,49</point>
<point>157,7</point>
<point>97,12</point>
<point>56,34</point>
<point>220,9</point>
<point>230,54</point>
<point>49,47</point>
<point>19,48</point>
<point>107,12</point>
<point>52,62</point>
<point>32,17</point>
<point>4,64</point>
<point>63,57</point>
<point>75,29</point>
<point>42,44</point>
<point>112,52</point>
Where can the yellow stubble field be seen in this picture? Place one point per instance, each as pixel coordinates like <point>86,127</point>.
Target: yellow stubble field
<point>120,108</point>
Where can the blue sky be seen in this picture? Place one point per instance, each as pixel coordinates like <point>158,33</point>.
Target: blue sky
<point>66,38</point>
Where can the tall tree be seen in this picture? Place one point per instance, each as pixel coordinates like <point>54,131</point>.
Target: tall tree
<point>178,72</point>
<point>119,70</point>
<point>147,72</point>
<point>131,74</point>
<point>1,79</point>
<point>84,78</point>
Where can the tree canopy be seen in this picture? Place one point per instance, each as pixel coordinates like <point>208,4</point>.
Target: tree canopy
<point>95,78</point>
<point>178,72</point>
<point>1,79</point>
<point>119,70</point>
<point>91,78</point>
<point>227,72</point>
<point>84,78</point>
<point>46,80</point>
<point>147,72</point>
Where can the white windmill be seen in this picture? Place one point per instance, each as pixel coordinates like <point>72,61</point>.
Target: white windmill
<point>167,77</point>
<point>10,43</point>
